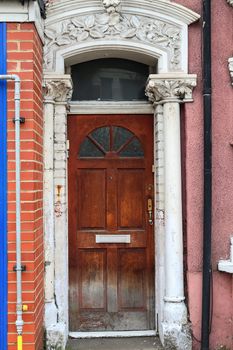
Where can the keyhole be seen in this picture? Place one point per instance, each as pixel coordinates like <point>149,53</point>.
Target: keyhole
<point>150,187</point>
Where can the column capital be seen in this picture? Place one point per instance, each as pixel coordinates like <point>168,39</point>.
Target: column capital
<point>57,88</point>
<point>162,88</point>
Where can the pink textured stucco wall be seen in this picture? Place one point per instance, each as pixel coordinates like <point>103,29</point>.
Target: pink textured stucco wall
<point>222,136</point>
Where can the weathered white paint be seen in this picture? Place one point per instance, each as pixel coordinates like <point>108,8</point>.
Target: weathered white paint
<point>57,91</point>
<point>175,312</point>
<point>159,215</point>
<point>227,265</point>
<point>14,11</point>
<point>108,107</point>
<point>173,203</point>
<point>64,46</point>
<point>170,91</point>
<point>50,308</point>
<point>139,52</point>
<point>109,334</point>
<point>60,219</point>
<point>164,8</point>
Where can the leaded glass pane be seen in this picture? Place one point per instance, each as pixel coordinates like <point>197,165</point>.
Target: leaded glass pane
<point>120,137</point>
<point>102,136</point>
<point>133,149</point>
<point>88,149</point>
<point>111,139</point>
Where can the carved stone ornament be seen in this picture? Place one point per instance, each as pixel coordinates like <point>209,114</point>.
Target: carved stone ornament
<point>230,2</point>
<point>58,91</point>
<point>161,90</point>
<point>113,25</point>
<point>112,6</point>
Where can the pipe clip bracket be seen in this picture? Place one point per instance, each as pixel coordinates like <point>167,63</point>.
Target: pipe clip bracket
<point>22,268</point>
<point>21,120</point>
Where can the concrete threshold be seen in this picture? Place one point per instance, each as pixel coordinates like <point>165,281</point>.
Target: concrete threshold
<point>134,343</point>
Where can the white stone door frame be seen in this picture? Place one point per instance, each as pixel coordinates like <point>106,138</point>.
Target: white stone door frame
<point>166,90</point>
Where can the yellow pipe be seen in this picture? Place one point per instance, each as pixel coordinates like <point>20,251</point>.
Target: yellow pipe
<point>19,342</point>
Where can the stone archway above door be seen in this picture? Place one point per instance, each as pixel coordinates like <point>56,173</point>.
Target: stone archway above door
<point>155,30</point>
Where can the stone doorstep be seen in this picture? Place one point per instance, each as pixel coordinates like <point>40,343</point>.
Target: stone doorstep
<point>136,343</point>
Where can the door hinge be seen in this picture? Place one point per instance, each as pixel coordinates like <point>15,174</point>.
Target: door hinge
<point>67,148</point>
<point>153,168</point>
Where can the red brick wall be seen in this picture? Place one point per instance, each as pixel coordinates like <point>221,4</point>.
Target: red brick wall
<point>24,57</point>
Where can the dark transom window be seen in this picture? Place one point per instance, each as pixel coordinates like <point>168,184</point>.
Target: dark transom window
<point>109,80</point>
<point>111,141</point>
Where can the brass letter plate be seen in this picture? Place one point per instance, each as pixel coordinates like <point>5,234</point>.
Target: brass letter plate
<point>112,239</point>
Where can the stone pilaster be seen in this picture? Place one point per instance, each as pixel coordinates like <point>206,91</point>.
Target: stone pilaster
<point>169,91</point>
<point>159,212</point>
<point>50,308</point>
<point>57,92</point>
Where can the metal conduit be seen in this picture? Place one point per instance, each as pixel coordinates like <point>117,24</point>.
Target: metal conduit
<point>19,307</point>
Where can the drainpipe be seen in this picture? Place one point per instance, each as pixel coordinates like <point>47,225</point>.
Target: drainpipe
<point>207,268</point>
<point>19,307</point>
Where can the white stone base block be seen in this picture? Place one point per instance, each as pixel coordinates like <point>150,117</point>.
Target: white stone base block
<point>175,312</point>
<point>56,337</point>
<point>176,334</point>
<point>50,313</point>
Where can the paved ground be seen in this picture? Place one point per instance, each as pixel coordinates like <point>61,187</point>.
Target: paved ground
<point>139,343</point>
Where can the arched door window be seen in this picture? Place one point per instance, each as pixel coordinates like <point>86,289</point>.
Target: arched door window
<point>111,141</point>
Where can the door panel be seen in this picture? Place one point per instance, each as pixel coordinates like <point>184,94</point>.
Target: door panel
<point>92,286</point>
<point>131,279</point>
<point>130,198</point>
<point>91,199</point>
<point>111,285</point>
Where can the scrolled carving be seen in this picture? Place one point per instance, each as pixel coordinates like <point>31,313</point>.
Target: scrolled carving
<point>160,90</point>
<point>114,25</point>
<point>58,91</point>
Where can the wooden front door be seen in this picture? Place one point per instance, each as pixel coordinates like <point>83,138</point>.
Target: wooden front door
<point>111,244</point>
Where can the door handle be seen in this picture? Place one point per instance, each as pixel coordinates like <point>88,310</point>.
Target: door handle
<point>150,210</point>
